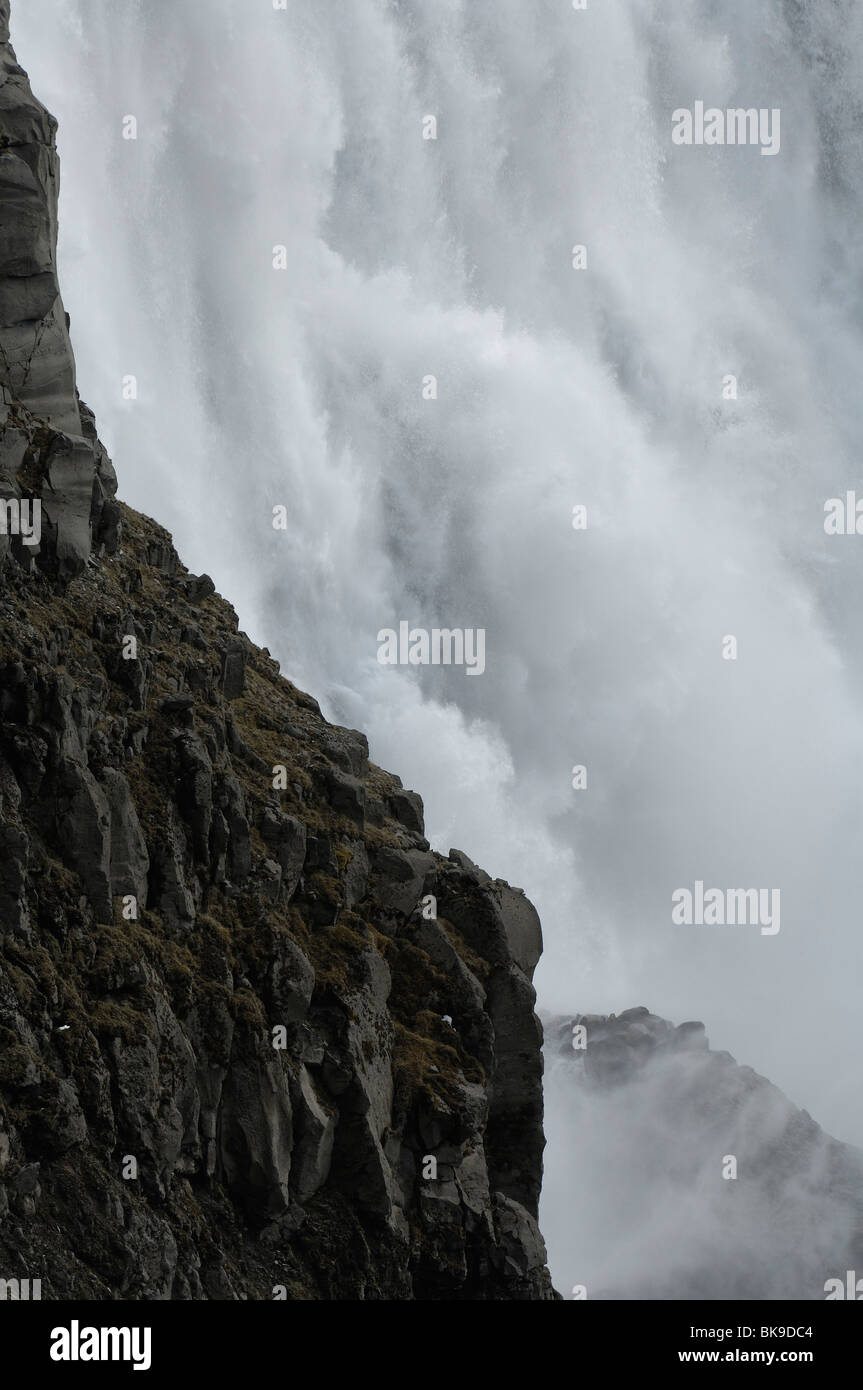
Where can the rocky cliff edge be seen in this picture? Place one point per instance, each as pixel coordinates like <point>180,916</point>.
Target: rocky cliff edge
<point>256,1039</point>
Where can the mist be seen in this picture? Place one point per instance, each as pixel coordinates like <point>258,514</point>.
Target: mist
<point>556,387</point>
<point>691,1178</point>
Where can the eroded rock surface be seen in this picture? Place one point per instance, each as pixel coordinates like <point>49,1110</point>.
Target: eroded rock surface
<point>191,871</point>
<point>49,451</point>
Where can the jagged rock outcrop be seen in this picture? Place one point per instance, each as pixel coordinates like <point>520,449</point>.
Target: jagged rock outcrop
<point>253,1032</point>
<point>704,1181</point>
<point>56,480</point>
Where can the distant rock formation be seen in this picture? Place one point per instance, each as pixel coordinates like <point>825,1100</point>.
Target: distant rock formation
<point>49,450</point>
<point>701,1179</point>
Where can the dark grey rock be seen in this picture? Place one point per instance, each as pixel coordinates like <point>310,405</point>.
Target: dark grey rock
<point>521,924</point>
<point>468,867</point>
<point>84,829</point>
<point>286,837</point>
<point>197,588</point>
<point>407,808</point>
<point>347,795</point>
<point>234,671</point>
<point>399,878</point>
<point>128,857</point>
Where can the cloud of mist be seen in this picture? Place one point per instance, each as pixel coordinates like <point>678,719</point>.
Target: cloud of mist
<point>639,1200</point>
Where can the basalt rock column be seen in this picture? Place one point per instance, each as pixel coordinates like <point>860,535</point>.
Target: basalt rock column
<point>52,466</point>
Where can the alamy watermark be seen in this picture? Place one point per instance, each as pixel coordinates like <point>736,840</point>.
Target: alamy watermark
<point>726,907</point>
<point>21,517</point>
<point>20,1290</point>
<point>843,516</point>
<point>849,1288</point>
<point>736,125</point>
<point>77,1343</point>
<point>439,646</point>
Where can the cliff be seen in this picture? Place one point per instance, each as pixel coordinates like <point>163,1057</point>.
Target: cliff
<point>256,1039</point>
